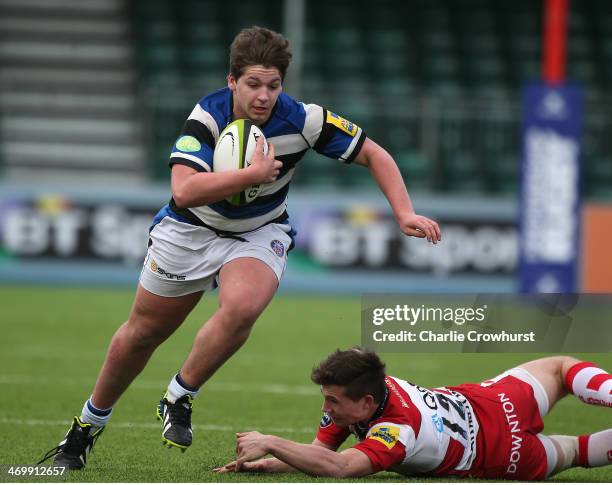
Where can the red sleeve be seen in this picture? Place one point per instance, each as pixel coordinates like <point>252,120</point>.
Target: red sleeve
<point>330,434</point>
<point>383,448</point>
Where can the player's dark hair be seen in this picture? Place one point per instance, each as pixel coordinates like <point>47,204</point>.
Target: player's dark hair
<point>258,45</point>
<point>360,371</point>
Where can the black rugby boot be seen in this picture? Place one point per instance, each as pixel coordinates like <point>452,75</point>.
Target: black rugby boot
<point>73,451</point>
<point>176,419</point>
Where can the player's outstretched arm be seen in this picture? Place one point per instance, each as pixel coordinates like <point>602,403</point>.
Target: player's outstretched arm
<point>311,459</point>
<point>389,179</point>
<point>266,465</point>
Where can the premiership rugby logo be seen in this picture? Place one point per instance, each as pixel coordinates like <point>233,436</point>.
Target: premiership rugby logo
<point>345,125</point>
<point>278,248</point>
<point>387,435</point>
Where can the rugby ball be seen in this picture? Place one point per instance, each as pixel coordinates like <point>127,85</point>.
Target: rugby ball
<point>234,151</point>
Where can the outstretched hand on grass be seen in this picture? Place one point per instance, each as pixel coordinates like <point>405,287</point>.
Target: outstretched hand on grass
<point>250,446</point>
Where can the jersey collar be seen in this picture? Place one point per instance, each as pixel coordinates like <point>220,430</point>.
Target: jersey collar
<point>381,407</point>
<point>361,429</point>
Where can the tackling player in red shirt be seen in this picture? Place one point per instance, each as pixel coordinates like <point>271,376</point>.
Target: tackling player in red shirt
<point>487,430</point>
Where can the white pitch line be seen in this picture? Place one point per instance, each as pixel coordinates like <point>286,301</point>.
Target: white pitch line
<point>125,424</point>
<point>251,388</point>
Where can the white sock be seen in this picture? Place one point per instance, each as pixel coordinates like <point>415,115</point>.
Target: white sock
<point>595,449</point>
<point>95,416</point>
<point>178,388</point>
<point>562,453</point>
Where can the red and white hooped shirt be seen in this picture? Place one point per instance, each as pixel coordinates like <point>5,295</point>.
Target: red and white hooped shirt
<point>415,431</point>
<point>486,430</point>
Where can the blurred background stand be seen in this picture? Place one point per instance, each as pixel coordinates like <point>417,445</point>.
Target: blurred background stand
<point>94,92</point>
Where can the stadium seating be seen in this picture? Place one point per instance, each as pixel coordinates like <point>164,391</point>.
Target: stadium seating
<point>435,81</point>
<point>67,107</point>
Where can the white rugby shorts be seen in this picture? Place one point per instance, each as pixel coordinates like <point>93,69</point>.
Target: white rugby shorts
<point>183,258</point>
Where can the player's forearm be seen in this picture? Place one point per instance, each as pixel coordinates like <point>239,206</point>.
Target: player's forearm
<point>311,459</point>
<point>274,465</point>
<point>206,188</point>
<point>388,177</point>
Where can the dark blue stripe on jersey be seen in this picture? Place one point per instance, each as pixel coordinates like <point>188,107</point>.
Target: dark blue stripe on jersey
<point>260,206</point>
<point>188,217</point>
<point>165,211</point>
<point>289,161</point>
<point>200,131</point>
<point>188,163</point>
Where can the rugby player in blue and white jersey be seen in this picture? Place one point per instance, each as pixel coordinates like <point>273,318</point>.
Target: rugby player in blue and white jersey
<point>199,240</point>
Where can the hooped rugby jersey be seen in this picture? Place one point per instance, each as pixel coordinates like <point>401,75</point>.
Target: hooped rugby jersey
<point>415,431</point>
<point>293,128</point>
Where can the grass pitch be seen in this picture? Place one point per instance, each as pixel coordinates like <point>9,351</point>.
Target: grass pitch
<point>54,340</point>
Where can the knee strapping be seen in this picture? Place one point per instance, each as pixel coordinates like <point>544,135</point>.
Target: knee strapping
<point>567,449</point>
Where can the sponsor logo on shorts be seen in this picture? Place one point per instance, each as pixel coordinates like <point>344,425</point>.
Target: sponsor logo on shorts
<point>188,144</point>
<point>387,435</point>
<point>278,247</point>
<point>325,421</point>
<point>513,422</point>
<point>171,276</point>
<point>346,126</point>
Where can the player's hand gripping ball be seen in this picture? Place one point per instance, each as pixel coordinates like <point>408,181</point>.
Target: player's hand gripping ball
<point>234,151</point>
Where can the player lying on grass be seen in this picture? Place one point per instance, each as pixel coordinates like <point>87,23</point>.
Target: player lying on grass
<point>199,240</point>
<point>488,430</point>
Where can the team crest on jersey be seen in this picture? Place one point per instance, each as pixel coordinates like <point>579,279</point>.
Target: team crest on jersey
<point>438,423</point>
<point>278,247</point>
<point>325,421</point>
<point>188,144</point>
<point>346,126</point>
<point>387,435</point>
